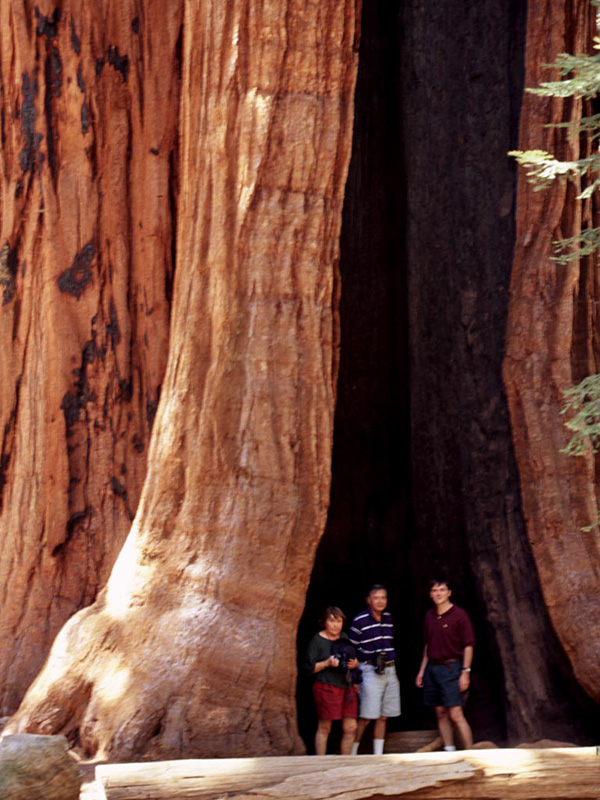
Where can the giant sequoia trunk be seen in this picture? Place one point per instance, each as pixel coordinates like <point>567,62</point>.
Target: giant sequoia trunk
<point>191,647</point>
<point>89,108</point>
<point>551,345</point>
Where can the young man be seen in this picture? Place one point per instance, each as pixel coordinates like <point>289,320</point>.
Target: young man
<point>372,633</point>
<point>445,672</point>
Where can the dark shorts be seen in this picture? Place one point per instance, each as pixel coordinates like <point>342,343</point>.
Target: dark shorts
<point>440,685</point>
<point>333,702</point>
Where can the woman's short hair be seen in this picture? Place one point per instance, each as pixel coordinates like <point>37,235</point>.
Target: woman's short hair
<point>331,611</point>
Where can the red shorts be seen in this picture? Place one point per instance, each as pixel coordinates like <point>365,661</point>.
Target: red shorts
<point>333,702</point>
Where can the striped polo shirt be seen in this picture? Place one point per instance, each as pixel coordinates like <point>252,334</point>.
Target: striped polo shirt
<point>371,637</point>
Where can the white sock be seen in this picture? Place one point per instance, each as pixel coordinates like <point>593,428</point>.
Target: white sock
<point>378,747</point>
<point>449,748</point>
<point>354,749</point>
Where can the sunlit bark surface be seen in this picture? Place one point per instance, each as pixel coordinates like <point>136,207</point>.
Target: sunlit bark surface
<point>89,105</point>
<point>191,648</point>
<point>551,345</point>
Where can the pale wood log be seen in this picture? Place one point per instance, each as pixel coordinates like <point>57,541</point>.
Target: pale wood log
<point>494,774</point>
<point>37,768</point>
<point>345,777</point>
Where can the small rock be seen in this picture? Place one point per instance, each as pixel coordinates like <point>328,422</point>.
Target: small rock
<point>36,767</point>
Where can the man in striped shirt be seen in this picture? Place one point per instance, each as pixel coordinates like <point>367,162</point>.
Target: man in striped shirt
<point>372,633</point>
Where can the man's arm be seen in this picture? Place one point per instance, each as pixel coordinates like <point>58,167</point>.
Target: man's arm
<point>421,672</point>
<point>465,676</point>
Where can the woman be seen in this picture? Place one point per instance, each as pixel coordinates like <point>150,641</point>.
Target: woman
<point>334,689</point>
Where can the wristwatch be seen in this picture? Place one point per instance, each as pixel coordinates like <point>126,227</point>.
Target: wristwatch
<point>466,669</point>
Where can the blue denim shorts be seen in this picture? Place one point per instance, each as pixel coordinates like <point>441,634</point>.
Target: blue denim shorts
<point>440,685</point>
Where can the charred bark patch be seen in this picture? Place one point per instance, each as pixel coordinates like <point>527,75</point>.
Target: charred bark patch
<point>47,26</point>
<point>28,113</point>
<point>75,520</point>
<point>120,63</point>
<point>99,66</point>
<point>75,401</point>
<point>151,407</point>
<point>75,279</point>
<point>121,492</point>
<point>4,462</point>
<point>53,76</point>
<point>137,443</point>
<point>125,391</point>
<point>88,353</point>
<point>85,118</point>
<point>113,326</point>
<point>54,72</point>
<point>135,24</point>
<point>75,40</point>
<point>173,210</point>
<point>85,114</point>
<point>7,440</point>
<point>71,406</point>
<point>9,265</point>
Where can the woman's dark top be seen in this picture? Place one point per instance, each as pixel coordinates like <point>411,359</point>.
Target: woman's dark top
<point>319,649</point>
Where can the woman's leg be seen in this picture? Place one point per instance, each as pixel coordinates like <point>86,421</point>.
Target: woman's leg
<point>348,733</point>
<point>321,736</point>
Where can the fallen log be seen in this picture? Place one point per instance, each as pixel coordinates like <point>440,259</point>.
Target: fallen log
<point>559,774</point>
<point>36,767</point>
<point>412,741</point>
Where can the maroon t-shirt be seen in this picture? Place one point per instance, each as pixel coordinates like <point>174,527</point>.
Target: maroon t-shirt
<point>447,634</point>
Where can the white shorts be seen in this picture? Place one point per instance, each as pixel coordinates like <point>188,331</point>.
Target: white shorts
<point>379,694</point>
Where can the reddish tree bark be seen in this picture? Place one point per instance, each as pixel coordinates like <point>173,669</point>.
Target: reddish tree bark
<point>190,650</point>
<point>550,346</point>
<point>89,109</point>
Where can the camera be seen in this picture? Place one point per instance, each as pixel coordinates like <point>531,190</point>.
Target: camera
<point>380,660</point>
<point>344,652</point>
